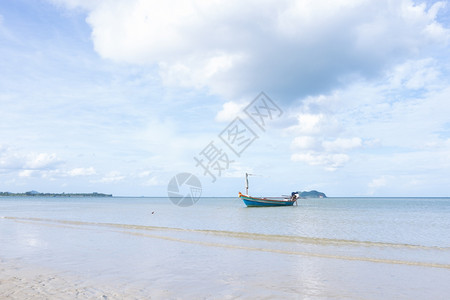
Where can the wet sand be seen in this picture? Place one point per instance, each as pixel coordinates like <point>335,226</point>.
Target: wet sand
<point>18,281</point>
<point>70,250</point>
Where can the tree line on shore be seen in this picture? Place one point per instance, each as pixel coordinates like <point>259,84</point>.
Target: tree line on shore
<point>37,194</point>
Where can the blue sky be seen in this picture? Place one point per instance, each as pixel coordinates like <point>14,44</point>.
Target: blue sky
<point>120,96</point>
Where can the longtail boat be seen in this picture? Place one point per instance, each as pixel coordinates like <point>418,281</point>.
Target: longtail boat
<point>266,201</point>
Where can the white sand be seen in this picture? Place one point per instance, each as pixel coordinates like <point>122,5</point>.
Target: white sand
<point>18,281</point>
<point>58,259</point>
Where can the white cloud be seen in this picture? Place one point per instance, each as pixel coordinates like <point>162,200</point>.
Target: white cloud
<point>306,143</point>
<point>144,174</point>
<point>15,159</point>
<point>380,182</point>
<point>230,111</point>
<point>311,124</point>
<point>237,170</point>
<point>150,178</point>
<point>82,172</point>
<point>10,160</point>
<point>26,173</point>
<point>415,74</point>
<point>342,144</point>
<point>315,124</point>
<point>330,161</point>
<point>368,91</point>
<point>41,160</point>
<point>399,183</point>
<point>319,149</point>
<point>235,48</point>
<point>153,181</point>
<point>391,124</point>
<point>112,177</point>
<point>331,154</point>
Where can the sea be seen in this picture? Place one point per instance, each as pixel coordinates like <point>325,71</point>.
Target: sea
<point>330,248</point>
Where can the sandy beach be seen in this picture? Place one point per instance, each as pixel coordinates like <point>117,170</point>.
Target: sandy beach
<point>118,249</point>
<point>18,281</point>
<point>21,282</point>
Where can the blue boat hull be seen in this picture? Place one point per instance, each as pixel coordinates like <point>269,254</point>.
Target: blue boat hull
<point>263,202</point>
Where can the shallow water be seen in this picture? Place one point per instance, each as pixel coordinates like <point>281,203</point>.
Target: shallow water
<point>361,248</point>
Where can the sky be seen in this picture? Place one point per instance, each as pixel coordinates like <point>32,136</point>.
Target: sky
<point>120,96</point>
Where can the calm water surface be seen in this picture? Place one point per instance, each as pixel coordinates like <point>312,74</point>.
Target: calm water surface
<point>361,248</point>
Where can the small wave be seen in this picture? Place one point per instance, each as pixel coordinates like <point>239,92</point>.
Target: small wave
<point>243,235</point>
<point>143,230</point>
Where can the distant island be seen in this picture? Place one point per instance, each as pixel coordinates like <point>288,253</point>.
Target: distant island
<point>311,194</point>
<point>37,194</point>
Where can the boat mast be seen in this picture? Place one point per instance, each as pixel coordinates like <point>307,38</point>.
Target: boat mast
<point>246,184</point>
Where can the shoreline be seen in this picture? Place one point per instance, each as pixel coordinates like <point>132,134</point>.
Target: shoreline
<point>19,280</point>
<point>110,249</point>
